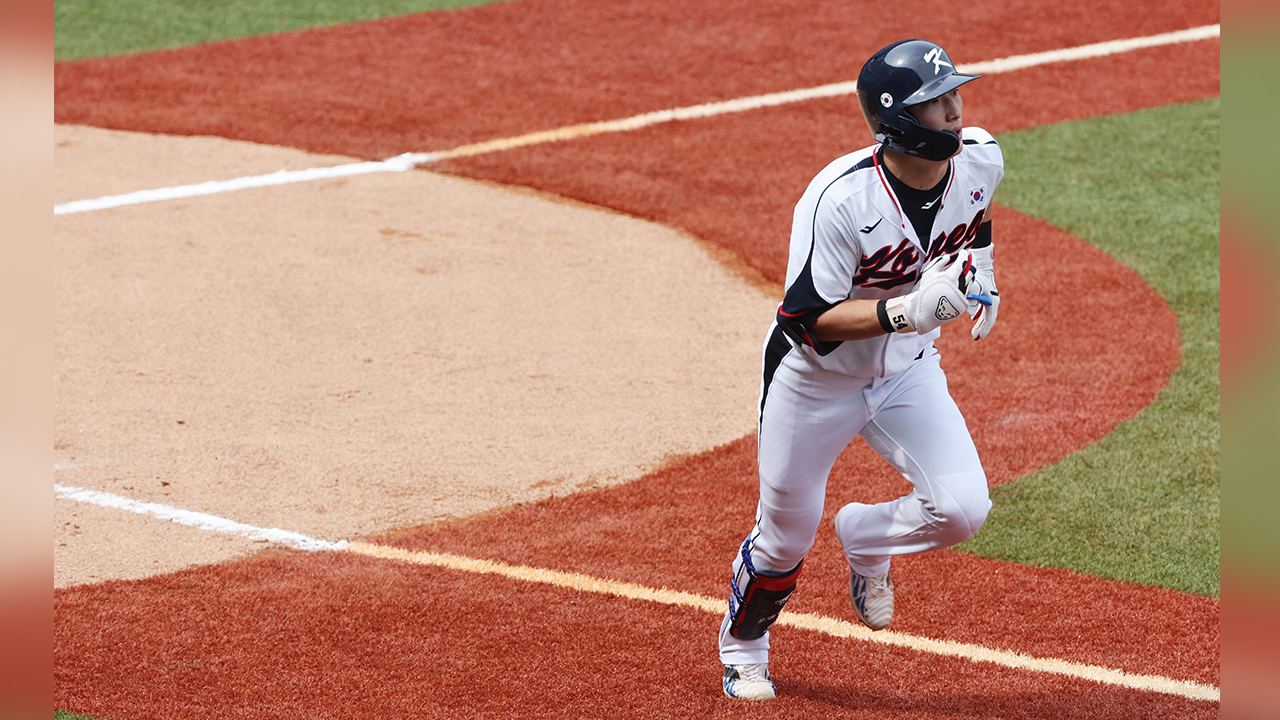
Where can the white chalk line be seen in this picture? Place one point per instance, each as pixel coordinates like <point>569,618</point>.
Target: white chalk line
<point>200,520</point>
<point>664,596</point>
<point>408,161</point>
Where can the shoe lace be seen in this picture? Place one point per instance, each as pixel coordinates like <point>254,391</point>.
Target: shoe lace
<point>880,582</point>
<point>754,673</point>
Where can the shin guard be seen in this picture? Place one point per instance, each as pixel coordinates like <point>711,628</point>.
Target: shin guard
<point>758,596</point>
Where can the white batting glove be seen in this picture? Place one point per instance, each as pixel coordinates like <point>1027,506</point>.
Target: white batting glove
<point>984,299</point>
<point>938,299</point>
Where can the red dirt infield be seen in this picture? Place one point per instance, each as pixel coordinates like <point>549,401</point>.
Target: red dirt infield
<point>331,635</point>
<point>437,80</point>
<point>286,634</point>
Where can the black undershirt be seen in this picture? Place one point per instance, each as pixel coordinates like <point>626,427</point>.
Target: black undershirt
<point>913,202</point>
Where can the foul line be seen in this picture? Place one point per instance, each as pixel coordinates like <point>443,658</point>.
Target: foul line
<point>408,161</point>
<point>200,520</point>
<point>665,596</point>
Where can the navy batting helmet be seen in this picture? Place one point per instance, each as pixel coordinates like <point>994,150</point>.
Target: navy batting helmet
<point>903,74</point>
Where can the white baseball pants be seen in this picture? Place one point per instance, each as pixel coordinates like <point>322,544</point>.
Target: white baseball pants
<point>809,416</point>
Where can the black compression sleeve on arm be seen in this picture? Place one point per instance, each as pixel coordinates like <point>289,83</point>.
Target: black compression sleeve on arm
<point>984,236</point>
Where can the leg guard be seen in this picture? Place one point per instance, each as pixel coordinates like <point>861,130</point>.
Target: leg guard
<point>758,596</point>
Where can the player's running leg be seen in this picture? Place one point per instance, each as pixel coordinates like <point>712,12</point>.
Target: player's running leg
<point>805,423</point>
<point>918,429</point>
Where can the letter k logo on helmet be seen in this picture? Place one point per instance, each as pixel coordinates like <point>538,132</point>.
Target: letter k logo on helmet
<point>935,56</point>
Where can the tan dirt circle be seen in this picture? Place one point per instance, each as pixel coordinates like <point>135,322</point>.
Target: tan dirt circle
<point>348,357</point>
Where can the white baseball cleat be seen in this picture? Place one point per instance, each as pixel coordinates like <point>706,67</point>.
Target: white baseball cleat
<point>748,682</point>
<point>872,599</point>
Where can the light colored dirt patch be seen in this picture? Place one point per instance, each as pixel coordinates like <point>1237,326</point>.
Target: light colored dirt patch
<point>94,544</point>
<point>352,356</point>
<point>92,162</point>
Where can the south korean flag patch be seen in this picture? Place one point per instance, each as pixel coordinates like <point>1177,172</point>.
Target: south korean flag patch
<point>977,195</point>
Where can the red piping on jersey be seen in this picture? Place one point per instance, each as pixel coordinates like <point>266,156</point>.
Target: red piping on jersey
<point>943,203</point>
<point>876,162</point>
<point>805,335</point>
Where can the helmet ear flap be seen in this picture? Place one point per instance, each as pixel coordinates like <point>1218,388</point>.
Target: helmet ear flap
<point>887,135</point>
<point>882,132</point>
<point>910,137</point>
<point>920,141</point>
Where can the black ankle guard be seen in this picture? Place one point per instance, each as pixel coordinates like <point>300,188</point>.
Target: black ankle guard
<point>754,608</point>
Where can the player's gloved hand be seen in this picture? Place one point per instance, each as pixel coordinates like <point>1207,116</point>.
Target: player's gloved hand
<point>984,299</point>
<point>938,299</point>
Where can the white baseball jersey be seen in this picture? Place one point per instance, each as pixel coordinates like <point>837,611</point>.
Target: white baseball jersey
<point>851,239</point>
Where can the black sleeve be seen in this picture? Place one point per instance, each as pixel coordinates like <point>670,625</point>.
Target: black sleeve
<point>984,236</point>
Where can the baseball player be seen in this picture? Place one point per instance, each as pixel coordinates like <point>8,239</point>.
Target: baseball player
<point>888,244</point>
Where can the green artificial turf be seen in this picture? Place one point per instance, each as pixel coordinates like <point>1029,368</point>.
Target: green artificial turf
<point>1141,505</point>
<point>92,28</point>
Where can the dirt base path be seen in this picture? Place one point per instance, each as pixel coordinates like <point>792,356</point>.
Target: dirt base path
<point>356,355</point>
